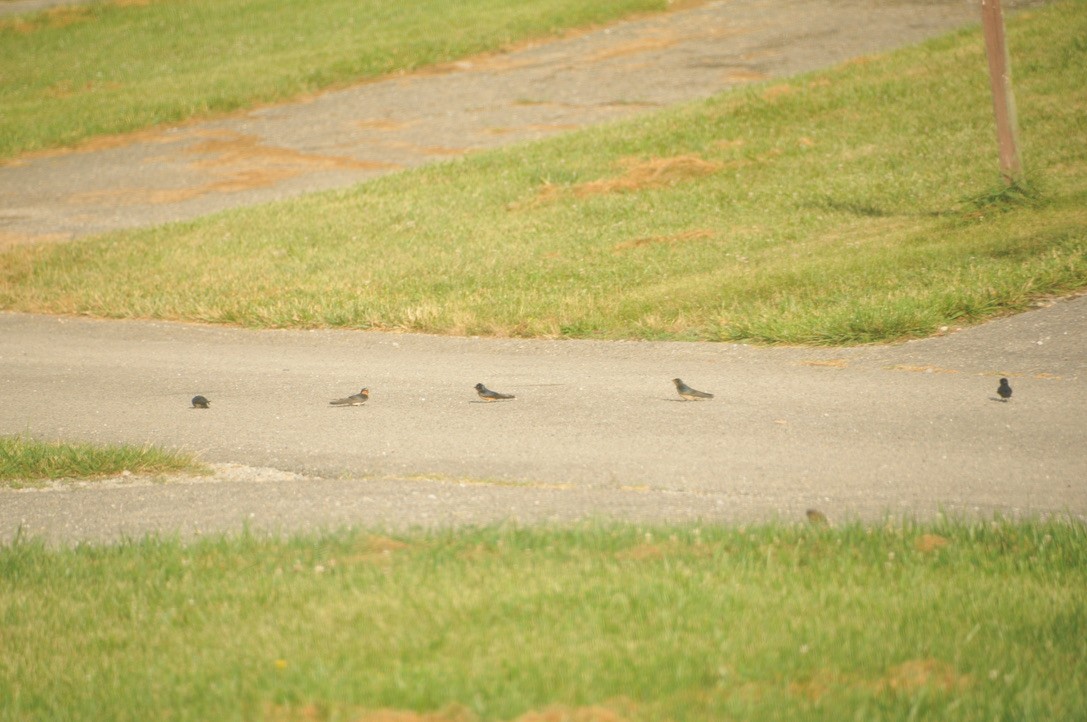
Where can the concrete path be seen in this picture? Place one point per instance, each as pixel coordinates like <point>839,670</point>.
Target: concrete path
<point>341,138</point>
<point>596,429</point>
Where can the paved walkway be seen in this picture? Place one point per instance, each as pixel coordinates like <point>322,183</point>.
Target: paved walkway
<point>341,138</point>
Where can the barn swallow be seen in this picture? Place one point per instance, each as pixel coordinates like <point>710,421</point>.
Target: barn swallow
<point>353,400</point>
<point>199,402</point>
<point>816,517</point>
<point>688,393</point>
<point>1004,390</point>
<point>487,395</point>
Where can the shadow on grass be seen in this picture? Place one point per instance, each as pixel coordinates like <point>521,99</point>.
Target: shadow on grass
<point>999,197</point>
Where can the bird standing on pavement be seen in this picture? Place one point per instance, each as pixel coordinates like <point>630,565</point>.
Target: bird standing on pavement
<point>353,400</point>
<point>688,393</point>
<point>487,395</point>
<point>199,402</point>
<point>1004,390</point>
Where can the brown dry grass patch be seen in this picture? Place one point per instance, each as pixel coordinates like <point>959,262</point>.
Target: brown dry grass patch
<point>592,713</point>
<point>532,128</point>
<point>10,239</point>
<point>638,174</point>
<point>916,674</point>
<point>652,173</point>
<point>230,148</point>
<point>906,678</point>
<point>745,75</point>
<point>633,47</point>
<point>384,124</point>
<point>237,162</point>
<point>652,551</point>
<point>450,713</point>
<point>834,363</point>
<point>924,369</point>
<point>374,549</point>
<point>928,543</point>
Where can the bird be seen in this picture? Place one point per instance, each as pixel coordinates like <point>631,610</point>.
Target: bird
<point>688,393</point>
<point>816,517</point>
<point>1004,390</point>
<point>487,395</point>
<point>353,400</point>
<point>199,402</point>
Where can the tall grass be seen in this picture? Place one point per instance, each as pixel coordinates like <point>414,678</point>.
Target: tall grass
<point>74,72</point>
<point>947,622</point>
<point>23,460</point>
<point>855,205</point>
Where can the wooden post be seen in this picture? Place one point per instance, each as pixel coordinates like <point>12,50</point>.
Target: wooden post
<point>992,21</point>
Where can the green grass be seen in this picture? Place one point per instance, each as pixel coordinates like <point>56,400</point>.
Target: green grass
<point>604,623</point>
<point>24,460</point>
<point>70,73</point>
<point>856,205</point>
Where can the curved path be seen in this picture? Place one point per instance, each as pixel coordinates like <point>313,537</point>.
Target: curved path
<point>340,138</point>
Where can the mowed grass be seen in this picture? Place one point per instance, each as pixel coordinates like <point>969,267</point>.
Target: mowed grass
<point>860,204</point>
<point>74,72</point>
<point>24,460</point>
<point>949,622</point>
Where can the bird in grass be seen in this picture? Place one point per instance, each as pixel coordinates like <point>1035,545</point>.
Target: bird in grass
<point>199,402</point>
<point>1004,390</point>
<point>353,400</point>
<point>816,517</point>
<point>688,393</point>
<point>487,395</point>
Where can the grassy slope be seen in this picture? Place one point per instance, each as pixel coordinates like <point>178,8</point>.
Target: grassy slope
<point>841,207</point>
<point>75,72</point>
<point>26,460</point>
<point>955,622</point>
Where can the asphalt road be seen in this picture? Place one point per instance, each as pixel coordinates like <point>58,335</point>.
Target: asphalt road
<point>596,430</point>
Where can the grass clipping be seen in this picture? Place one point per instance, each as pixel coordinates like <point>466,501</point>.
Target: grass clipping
<point>638,175</point>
